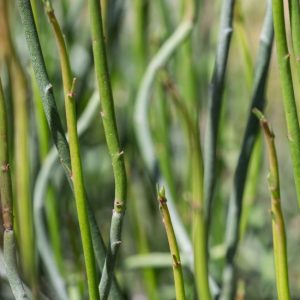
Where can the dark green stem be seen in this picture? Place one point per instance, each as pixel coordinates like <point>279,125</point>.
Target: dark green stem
<point>215,104</point>
<point>240,175</point>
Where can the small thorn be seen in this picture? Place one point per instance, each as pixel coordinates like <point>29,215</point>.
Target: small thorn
<point>287,56</point>
<point>102,114</point>
<point>48,88</point>
<point>176,263</point>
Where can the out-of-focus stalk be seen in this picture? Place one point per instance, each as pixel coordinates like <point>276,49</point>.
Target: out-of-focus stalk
<point>112,140</point>
<point>9,246</point>
<point>295,27</point>
<point>21,162</point>
<point>177,269</point>
<point>215,104</point>
<point>76,167</point>
<point>278,227</point>
<point>240,175</point>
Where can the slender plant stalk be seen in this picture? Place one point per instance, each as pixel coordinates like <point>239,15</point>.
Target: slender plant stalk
<point>7,208</point>
<point>215,104</point>
<point>112,140</point>
<point>22,162</point>
<point>43,139</point>
<point>177,269</point>
<point>240,175</point>
<point>198,223</point>
<point>278,227</point>
<point>76,167</point>
<point>51,112</point>
<point>295,27</point>
<point>290,108</point>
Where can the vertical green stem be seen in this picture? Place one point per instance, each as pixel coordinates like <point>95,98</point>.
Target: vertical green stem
<point>7,208</point>
<point>283,57</point>
<point>278,227</point>
<point>112,140</point>
<point>295,26</point>
<point>77,176</point>
<point>177,269</point>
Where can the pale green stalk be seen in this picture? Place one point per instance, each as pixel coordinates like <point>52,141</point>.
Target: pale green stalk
<point>278,227</point>
<point>76,167</point>
<point>177,269</point>
<point>290,109</point>
<point>112,140</point>
<point>198,222</point>
<point>9,247</point>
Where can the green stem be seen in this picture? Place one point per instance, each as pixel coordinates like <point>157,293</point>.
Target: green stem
<point>295,26</point>
<point>198,223</point>
<point>76,167</point>
<point>112,140</point>
<point>290,108</point>
<point>278,227</point>
<point>56,129</point>
<point>177,269</point>
<point>7,208</point>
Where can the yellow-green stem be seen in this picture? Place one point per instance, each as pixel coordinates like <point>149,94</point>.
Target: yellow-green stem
<point>177,269</point>
<point>76,175</point>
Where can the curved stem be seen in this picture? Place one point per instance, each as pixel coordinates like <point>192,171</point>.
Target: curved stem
<point>215,104</point>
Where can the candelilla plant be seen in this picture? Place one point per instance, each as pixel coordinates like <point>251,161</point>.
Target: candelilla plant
<point>102,98</point>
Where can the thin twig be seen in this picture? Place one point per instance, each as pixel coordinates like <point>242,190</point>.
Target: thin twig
<point>9,247</point>
<point>278,227</point>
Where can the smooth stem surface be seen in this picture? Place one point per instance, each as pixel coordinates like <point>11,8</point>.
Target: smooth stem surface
<point>295,27</point>
<point>240,175</point>
<point>7,208</point>
<point>215,104</point>
<point>112,140</point>
<point>177,269</point>
<point>278,227</point>
<point>290,109</point>
<point>76,168</point>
